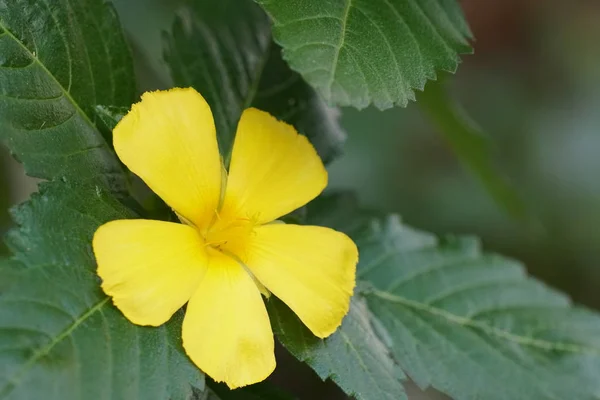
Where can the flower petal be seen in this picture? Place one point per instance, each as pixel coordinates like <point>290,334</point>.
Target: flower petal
<point>226,329</point>
<point>273,171</point>
<point>310,268</point>
<point>149,268</point>
<point>169,140</point>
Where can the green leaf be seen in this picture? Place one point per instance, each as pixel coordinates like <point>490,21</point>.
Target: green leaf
<point>353,357</point>
<point>223,49</point>
<point>361,52</point>
<point>473,325</point>
<point>59,59</point>
<point>61,336</point>
<point>340,211</point>
<point>110,116</point>
<point>471,147</point>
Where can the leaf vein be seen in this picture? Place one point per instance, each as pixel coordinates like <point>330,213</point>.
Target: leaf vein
<point>15,379</point>
<point>459,320</point>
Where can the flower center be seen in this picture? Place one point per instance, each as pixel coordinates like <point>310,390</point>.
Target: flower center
<point>230,236</point>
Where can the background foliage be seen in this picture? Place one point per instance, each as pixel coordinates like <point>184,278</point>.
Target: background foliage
<point>438,313</point>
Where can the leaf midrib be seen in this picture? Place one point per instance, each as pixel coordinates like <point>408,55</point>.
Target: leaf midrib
<point>16,378</point>
<point>64,91</point>
<point>485,328</point>
<point>344,20</point>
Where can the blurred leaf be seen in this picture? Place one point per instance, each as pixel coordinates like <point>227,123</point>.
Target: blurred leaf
<point>340,211</point>
<point>59,59</point>
<point>369,51</point>
<point>61,336</point>
<point>353,357</point>
<point>470,146</point>
<point>223,49</point>
<point>4,199</point>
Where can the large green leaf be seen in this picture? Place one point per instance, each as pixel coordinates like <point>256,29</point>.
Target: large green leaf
<point>358,52</point>
<point>61,338</point>
<point>223,49</point>
<point>353,357</point>
<point>467,323</point>
<point>473,325</point>
<point>58,60</point>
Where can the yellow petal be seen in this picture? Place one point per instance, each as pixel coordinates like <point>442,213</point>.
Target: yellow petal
<point>312,269</point>
<point>149,268</point>
<point>273,170</point>
<point>226,329</point>
<point>168,139</point>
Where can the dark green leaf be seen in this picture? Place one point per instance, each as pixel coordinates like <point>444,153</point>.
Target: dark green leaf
<point>61,336</point>
<point>358,52</point>
<point>473,325</point>
<point>259,391</point>
<point>223,49</point>
<point>339,211</point>
<point>58,60</point>
<point>110,116</point>
<point>57,225</point>
<point>353,357</point>
<point>470,146</point>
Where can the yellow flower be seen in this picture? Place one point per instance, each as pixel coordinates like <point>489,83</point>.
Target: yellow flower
<point>227,249</point>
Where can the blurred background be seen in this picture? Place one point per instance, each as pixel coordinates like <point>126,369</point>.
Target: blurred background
<point>533,86</point>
